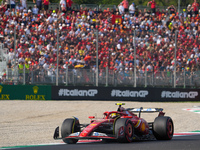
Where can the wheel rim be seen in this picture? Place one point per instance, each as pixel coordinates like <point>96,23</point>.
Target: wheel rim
<point>129,130</point>
<point>170,129</point>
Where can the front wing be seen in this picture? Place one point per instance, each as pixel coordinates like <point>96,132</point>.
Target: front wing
<point>93,135</point>
<point>76,135</point>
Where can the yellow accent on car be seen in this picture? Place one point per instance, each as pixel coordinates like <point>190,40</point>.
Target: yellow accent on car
<point>73,125</point>
<point>119,103</point>
<point>138,123</point>
<point>143,127</point>
<point>93,124</point>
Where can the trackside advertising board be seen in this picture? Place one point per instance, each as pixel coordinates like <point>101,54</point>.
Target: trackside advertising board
<point>124,93</point>
<point>25,92</point>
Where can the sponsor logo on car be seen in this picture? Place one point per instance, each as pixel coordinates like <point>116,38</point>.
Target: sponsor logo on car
<point>178,94</point>
<point>75,134</point>
<point>76,92</point>
<point>128,93</point>
<point>98,134</point>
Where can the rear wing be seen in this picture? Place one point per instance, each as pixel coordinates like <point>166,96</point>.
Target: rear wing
<point>147,110</point>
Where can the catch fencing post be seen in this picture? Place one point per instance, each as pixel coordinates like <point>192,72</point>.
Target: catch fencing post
<point>134,59</point>
<point>97,66</point>
<point>107,76</point>
<point>57,57</point>
<point>24,75</point>
<point>145,77</point>
<point>175,58</point>
<point>66,75</point>
<point>184,78</point>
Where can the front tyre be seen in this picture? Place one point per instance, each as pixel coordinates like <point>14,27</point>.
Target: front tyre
<point>163,128</point>
<point>69,126</point>
<point>124,130</point>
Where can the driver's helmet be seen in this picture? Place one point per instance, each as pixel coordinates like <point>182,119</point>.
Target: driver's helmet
<point>113,115</point>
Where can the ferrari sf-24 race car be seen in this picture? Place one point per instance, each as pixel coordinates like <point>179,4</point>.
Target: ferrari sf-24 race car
<point>123,125</point>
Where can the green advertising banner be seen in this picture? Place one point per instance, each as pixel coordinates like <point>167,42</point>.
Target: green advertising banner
<point>25,92</point>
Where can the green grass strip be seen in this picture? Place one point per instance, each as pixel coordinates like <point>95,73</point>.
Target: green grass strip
<point>196,131</point>
<point>22,146</point>
<point>196,110</point>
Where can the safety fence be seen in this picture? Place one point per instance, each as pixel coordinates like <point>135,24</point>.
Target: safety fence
<point>87,77</point>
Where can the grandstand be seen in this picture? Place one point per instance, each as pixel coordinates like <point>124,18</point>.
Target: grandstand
<point>155,46</point>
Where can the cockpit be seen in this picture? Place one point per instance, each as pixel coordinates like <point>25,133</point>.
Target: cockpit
<point>112,115</point>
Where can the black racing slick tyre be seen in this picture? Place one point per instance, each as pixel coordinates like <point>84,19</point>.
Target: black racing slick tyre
<point>124,130</point>
<point>163,128</point>
<point>69,126</point>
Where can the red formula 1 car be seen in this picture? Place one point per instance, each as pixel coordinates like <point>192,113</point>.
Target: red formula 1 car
<point>122,125</point>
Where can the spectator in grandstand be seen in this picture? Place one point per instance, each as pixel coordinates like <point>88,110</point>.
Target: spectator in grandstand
<point>3,8</point>
<point>21,70</point>
<point>19,7</point>
<point>41,61</point>
<point>9,64</point>
<point>51,72</point>
<point>41,72</point>
<point>12,2</point>
<point>132,9</point>
<point>46,4</point>
<point>121,9</point>
<point>172,9</point>
<point>189,10</point>
<point>35,10</point>
<point>195,7</point>
<point>27,70</point>
<point>184,13</point>
<point>63,5</point>
<point>11,54</point>
<point>7,2</point>
<point>23,4</point>
<point>69,5</point>
<point>153,6</point>
<point>38,4</point>
<point>125,5</point>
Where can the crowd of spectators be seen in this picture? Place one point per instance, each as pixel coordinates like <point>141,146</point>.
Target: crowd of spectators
<point>36,38</point>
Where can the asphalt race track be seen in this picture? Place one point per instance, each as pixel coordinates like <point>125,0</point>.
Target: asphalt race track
<point>177,143</point>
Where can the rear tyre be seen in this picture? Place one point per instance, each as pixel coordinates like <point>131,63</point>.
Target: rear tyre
<point>163,128</point>
<point>69,126</point>
<point>124,130</point>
